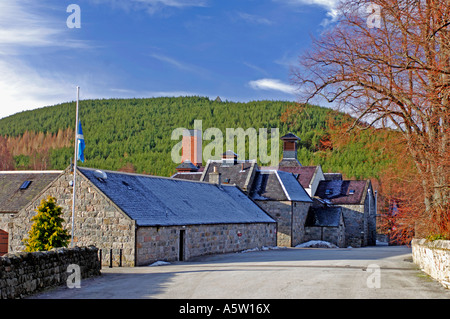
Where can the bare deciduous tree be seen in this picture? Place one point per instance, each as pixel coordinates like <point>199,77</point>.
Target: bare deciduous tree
<point>394,75</point>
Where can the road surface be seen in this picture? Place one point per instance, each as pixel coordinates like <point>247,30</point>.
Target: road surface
<point>369,272</point>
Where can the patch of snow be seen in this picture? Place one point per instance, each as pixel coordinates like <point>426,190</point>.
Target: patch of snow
<point>159,263</point>
<point>316,244</point>
<point>250,250</point>
<point>263,248</point>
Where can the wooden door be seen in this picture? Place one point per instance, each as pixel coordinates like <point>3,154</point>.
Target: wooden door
<point>3,242</point>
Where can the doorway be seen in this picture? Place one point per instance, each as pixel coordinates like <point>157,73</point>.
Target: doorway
<point>3,242</point>
<point>181,245</point>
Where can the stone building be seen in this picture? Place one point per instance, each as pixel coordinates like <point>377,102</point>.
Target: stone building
<point>328,190</point>
<point>358,203</point>
<point>308,176</point>
<point>150,218</point>
<point>285,200</point>
<point>277,192</point>
<point>17,189</point>
<point>327,224</point>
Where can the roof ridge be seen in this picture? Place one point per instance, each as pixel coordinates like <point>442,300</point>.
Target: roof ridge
<point>150,176</point>
<point>32,172</point>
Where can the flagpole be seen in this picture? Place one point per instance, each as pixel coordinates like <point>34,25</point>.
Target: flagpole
<point>75,166</point>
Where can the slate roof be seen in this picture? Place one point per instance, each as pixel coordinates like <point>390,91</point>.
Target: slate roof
<point>190,176</point>
<point>332,176</point>
<point>290,136</point>
<point>277,185</point>
<point>160,201</point>
<point>187,165</point>
<point>342,191</point>
<point>323,216</point>
<point>304,173</point>
<point>231,174</point>
<point>12,198</point>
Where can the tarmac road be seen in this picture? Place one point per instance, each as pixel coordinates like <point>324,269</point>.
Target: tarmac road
<point>354,273</point>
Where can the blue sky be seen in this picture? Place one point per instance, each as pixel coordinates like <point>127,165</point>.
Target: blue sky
<point>240,50</point>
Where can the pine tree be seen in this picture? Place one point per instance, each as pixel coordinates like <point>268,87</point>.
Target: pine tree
<point>47,231</point>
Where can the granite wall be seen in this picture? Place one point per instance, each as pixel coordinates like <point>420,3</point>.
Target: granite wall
<point>25,273</point>
<point>433,257</point>
<point>98,221</point>
<point>173,243</point>
<point>290,217</point>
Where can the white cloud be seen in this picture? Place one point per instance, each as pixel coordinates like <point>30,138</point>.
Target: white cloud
<point>174,3</point>
<point>253,19</point>
<point>25,26</point>
<point>272,84</point>
<point>170,93</point>
<point>330,5</point>
<point>181,65</point>
<point>129,93</point>
<point>152,6</point>
<point>23,88</point>
<point>255,67</point>
<point>173,62</point>
<point>287,60</point>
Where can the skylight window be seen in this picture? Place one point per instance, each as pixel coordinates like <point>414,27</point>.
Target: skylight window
<point>351,192</point>
<point>25,185</point>
<point>328,192</point>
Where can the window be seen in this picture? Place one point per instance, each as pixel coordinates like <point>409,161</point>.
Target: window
<point>25,185</point>
<point>328,192</point>
<point>351,192</point>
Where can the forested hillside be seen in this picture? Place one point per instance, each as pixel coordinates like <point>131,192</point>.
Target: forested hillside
<point>135,134</point>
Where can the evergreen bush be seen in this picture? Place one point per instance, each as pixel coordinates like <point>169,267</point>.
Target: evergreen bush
<point>47,231</point>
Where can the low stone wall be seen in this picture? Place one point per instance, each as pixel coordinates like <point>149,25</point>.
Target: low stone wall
<point>25,273</point>
<point>433,257</point>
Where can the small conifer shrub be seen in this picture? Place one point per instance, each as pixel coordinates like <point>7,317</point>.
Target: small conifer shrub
<point>47,231</point>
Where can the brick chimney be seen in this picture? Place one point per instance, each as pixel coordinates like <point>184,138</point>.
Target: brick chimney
<point>192,147</point>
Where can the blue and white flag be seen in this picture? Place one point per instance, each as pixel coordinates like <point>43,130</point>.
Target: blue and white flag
<point>81,145</point>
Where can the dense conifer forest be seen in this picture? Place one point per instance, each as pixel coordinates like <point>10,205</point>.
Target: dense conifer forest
<point>135,134</point>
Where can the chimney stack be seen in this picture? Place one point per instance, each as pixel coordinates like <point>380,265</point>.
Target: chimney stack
<point>215,177</point>
<point>229,158</point>
<point>290,145</point>
<point>192,147</point>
